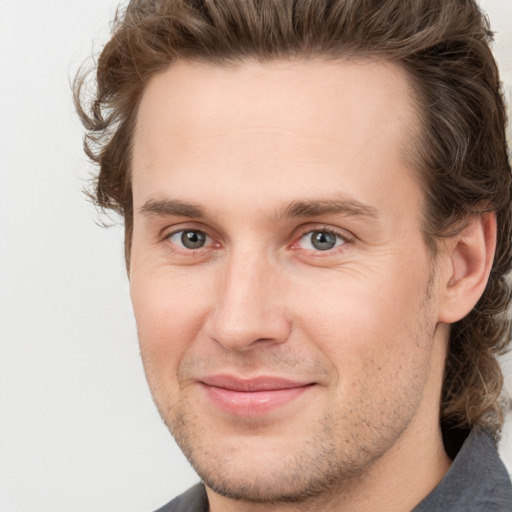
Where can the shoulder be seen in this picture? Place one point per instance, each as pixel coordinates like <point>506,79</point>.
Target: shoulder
<point>193,500</point>
<point>476,482</point>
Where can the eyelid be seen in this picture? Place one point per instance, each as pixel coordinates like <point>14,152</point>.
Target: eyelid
<point>170,230</point>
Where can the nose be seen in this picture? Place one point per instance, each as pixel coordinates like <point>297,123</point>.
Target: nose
<point>249,309</point>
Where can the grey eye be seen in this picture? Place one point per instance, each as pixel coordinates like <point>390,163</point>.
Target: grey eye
<point>321,240</point>
<point>189,239</point>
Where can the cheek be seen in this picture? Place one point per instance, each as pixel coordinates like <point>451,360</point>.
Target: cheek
<point>169,313</point>
<point>369,317</point>
<point>378,345</point>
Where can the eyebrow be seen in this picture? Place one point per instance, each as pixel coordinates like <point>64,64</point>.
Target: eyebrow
<point>294,209</point>
<point>170,208</point>
<point>317,207</point>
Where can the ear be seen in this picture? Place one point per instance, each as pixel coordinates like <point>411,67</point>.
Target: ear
<point>465,268</point>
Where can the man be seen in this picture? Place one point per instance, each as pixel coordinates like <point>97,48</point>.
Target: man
<point>316,197</point>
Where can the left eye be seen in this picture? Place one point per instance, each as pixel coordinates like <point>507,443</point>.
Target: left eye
<point>189,239</point>
<point>321,240</point>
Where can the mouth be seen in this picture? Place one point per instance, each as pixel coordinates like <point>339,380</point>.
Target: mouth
<point>252,397</point>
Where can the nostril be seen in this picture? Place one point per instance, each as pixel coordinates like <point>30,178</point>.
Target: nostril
<point>249,335</point>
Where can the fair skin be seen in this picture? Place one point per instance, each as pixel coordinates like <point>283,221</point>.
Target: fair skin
<point>292,324</point>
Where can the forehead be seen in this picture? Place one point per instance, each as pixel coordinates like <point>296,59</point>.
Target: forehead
<point>283,122</point>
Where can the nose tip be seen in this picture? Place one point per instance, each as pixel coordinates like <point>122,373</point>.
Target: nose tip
<point>237,334</point>
<point>249,311</point>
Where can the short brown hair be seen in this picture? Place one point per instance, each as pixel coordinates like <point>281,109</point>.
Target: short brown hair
<point>443,45</point>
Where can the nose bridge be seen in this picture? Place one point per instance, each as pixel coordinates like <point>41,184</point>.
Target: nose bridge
<point>248,307</point>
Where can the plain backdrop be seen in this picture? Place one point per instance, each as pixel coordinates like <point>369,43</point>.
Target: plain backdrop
<point>78,429</point>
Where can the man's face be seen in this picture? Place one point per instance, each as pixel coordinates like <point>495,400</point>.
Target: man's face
<point>282,288</point>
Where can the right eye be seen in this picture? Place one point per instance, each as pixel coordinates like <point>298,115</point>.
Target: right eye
<point>189,239</point>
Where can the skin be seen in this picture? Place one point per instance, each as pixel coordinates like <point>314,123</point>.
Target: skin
<point>237,153</point>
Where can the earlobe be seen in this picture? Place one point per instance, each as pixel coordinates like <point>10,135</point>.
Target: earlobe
<point>468,257</point>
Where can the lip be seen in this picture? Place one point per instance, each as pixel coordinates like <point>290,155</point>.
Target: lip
<point>252,397</point>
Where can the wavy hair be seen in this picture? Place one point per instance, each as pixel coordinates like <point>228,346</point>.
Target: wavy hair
<point>443,46</point>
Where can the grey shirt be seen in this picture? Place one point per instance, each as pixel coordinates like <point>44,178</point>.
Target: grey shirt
<point>477,481</point>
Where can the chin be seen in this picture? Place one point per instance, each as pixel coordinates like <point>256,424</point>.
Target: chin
<point>279,469</point>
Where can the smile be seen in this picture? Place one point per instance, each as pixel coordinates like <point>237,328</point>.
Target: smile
<point>252,397</point>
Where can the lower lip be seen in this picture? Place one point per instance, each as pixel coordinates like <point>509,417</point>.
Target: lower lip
<point>253,403</point>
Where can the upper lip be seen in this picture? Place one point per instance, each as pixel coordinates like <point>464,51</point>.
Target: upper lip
<point>261,383</point>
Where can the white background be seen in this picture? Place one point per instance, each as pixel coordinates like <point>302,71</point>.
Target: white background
<point>78,429</point>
